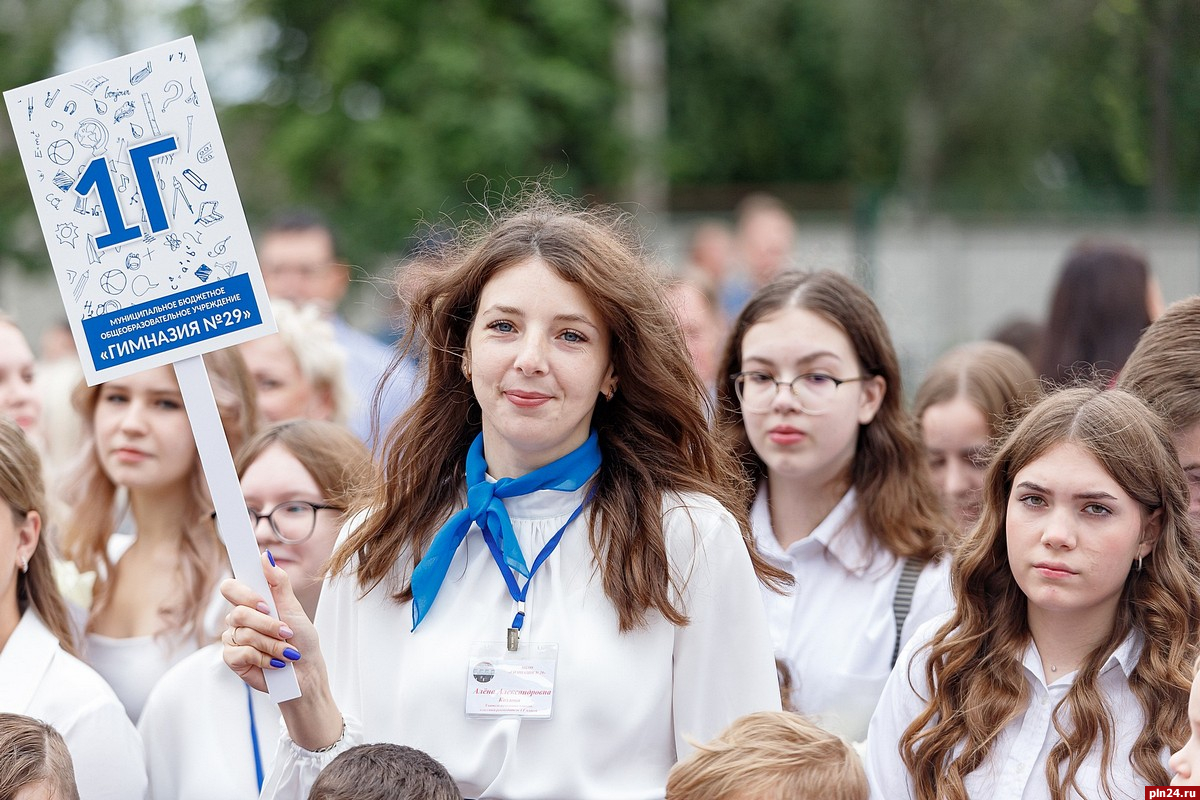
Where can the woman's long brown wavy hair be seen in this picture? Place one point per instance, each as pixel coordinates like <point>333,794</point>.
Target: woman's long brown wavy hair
<point>977,684</point>
<point>92,496</point>
<point>653,434</point>
<point>22,490</point>
<point>896,500</point>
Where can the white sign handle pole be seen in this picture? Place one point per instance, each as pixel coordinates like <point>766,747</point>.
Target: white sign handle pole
<point>227,498</point>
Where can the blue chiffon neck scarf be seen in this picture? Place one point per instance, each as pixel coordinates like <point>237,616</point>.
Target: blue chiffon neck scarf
<point>485,508</point>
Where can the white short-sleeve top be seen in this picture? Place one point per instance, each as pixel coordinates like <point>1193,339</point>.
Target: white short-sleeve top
<point>132,665</point>
<point>836,627</point>
<point>626,705</point>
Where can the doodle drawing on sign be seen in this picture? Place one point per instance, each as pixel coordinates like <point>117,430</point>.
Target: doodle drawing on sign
<point>195,179</point>
<point>137,77</point>
<point>113,281</point>
<point>67,233</point>
<point>142,284</point>
<point>61,151</point>
<point>93,135</point>
<point>80,284</point>
<point>174,90</point>
<point>209,213</point>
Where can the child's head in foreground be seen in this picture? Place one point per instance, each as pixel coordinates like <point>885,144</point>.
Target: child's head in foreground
<point>34,761</point>
<point>384,772</point>
<point>770,755</point>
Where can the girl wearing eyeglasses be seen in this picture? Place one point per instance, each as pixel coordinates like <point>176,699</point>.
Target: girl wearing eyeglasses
<point>208,736</point>
<point>155,598</point>
<point>810,392</point>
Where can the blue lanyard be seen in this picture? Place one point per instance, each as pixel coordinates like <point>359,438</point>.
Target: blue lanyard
<point>258,765</point>
<point>519,592</point>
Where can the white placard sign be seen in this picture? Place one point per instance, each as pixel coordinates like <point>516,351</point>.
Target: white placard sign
<point>150,246</point>
<point>140,212</point>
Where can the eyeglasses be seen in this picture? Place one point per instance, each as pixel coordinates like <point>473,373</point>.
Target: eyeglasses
<point>292,522</point>
<point>814,391</point>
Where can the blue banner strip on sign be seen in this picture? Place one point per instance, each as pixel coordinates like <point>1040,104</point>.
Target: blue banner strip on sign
<point>171,322</point>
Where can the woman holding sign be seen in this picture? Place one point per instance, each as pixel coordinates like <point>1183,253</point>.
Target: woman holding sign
<point>549,594</point>
<point>39,673</point>
<point>155,598</point>
<point>209,736</point>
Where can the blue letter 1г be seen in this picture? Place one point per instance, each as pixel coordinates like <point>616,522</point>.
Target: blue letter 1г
<point>97,174</point>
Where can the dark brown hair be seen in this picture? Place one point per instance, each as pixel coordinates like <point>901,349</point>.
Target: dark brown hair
<point>653,435</point>
<point>977,684</point>
<point>384,772</point>
<point>1097,313</point>
<point>896,500</point>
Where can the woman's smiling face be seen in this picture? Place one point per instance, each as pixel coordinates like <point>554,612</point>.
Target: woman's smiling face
<point>538,357</point>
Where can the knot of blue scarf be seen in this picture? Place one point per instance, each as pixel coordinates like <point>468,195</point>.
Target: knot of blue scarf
<point>485,508</point>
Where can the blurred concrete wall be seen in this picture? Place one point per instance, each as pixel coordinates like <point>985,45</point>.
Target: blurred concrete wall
<point>937,284</point>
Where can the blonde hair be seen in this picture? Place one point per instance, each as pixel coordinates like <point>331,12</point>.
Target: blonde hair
<point>993,377</point>
<point>92,496</point>
<point>22,489</point>
<point>977,684</point>
<point>770,755</point>
<point>313,343</point>
<point>33,752</point>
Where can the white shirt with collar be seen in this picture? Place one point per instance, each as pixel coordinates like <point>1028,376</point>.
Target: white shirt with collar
<point>1015,769</point>
<point>41,680</point>
<point>627,706</point>
<point>836,628</point>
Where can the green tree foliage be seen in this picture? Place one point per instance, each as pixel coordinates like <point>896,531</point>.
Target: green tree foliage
<point>387,112</point>
<point>29,37</point>
<point>384,113</point>
<point>1024,104</point>
<point>755,95</point>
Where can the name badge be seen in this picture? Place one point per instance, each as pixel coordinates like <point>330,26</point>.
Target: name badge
<point>505,683</point>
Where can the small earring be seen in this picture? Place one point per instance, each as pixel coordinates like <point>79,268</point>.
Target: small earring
<point>24,565</point>
<point>1138,567</point>
<point>609,395</point>
<point>466,371</point>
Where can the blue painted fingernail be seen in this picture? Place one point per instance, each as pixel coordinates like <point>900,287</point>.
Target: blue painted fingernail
<point>291,653</point>
<point>270,558</point>
<point>277,664</point>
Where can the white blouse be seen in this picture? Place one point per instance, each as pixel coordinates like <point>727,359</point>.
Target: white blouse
<point>1015,768</point>
<point>836,628</point>
<point>132,665</point>
<point>196,726</point>
<point>626,705</point>
<point>39,679</point>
